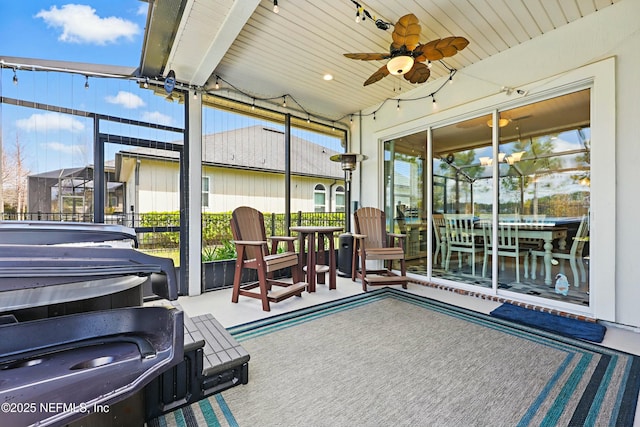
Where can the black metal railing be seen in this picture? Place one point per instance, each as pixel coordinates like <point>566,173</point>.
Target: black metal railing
<point>161,229</point>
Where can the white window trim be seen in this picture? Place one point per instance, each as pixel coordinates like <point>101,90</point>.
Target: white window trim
<point>207,192</point>
<point>340,190</point>
<point>323,191</point>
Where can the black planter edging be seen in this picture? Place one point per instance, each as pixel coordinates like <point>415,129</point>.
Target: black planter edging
<point>220,274</point>
<point>216,274</point>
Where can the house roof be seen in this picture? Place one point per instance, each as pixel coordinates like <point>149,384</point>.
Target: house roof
<point>82,171</point>
<point>258,148</point>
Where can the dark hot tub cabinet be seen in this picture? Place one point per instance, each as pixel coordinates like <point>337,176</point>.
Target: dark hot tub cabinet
<point>76,345</point>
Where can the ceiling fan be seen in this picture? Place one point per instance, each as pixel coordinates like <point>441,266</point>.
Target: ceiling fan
<point>407,56</point>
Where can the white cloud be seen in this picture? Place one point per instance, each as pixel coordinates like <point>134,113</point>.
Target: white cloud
<point>66,149</point>
<point>143,9</point>
<point>80,24</point>
<point>126,99</point>
<point>50,122</point>
<point>157,117</point>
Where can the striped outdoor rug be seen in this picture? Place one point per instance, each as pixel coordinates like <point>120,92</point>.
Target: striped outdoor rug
<point>391,358</point>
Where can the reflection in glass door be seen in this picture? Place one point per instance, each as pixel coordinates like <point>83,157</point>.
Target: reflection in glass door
<point>544,198</point>
<point>404,166</point>
<point>535,178</point>
<point>461,187</point>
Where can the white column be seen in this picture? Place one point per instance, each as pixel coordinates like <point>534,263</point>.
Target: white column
<point>194,171</point>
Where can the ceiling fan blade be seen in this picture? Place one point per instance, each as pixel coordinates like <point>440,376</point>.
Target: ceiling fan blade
<point>378,75</point>
<point>449,46</point>
<point>367,56</point>
<point>428,51</point>
<point>419,73</point>
<point>441,48</point>
<point>406,32</point>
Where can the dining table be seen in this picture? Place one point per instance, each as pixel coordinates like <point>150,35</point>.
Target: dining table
<point>547,232</point>
<point>312,260</point>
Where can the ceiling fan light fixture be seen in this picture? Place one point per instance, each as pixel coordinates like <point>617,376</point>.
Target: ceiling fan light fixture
<point>501,123</point>
<point>400,65</point>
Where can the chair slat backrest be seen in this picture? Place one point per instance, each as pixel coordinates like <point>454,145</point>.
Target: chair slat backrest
<point>582,236</point>
<point>248,224</point>
<point>507,235</point>
<point>371,222</point>
<point>438,223</point>
<point>460,229</point>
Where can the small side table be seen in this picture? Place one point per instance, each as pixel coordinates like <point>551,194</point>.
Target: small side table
<point>317,272</point>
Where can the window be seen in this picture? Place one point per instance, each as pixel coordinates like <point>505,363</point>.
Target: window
<point>319,198</point>
<point>205,191</point>
<point>340,198</point>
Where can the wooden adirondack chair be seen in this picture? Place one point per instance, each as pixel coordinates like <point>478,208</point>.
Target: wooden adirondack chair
<point>372,242</point>
<point>247,226</point>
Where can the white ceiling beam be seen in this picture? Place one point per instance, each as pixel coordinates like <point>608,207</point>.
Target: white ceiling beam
<point>235,20</point>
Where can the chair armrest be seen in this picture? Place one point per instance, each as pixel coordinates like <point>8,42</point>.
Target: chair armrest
<point>358,244</point>
<point>249,242</point>
<point>275,241</point>
<point>393,237</point>
<point>283,238</point>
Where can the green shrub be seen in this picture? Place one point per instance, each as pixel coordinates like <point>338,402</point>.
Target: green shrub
<point>208,254</point>
<point>226,251</point>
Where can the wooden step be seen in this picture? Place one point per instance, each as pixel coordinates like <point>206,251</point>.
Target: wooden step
<point>286,292</point>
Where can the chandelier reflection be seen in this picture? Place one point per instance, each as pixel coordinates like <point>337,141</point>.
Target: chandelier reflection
<point>503,158</point>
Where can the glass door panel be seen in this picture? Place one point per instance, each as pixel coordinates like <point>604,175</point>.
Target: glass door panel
<point>405,196</point>
<point>544,195</point>
<point>462,196</point>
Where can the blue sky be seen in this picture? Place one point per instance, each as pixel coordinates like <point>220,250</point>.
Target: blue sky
<point>107,32</point>
<point>102,32</point>
<point>97,32</point>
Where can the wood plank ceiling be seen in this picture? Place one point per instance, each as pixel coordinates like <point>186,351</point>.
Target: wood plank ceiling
<point>265,55</point>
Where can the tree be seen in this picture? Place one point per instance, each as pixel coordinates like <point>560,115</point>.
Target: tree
<point>538,160</point>
<point>14,178</point>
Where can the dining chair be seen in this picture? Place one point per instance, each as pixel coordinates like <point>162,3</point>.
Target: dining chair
<point>531,222</point>
<point>438,225</point>
<point>461,238</point>
<point>508,245</point>
<point>373,243</point>
<point>573,254</point>
<point>247,228</point>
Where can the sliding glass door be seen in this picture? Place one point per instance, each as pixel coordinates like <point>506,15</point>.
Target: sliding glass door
<point>544,198</point>
<point>461,189</point>
<point>510,199</point>
<point>405,208</point>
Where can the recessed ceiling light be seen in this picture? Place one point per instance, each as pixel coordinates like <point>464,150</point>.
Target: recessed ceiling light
<point>328,77</point>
